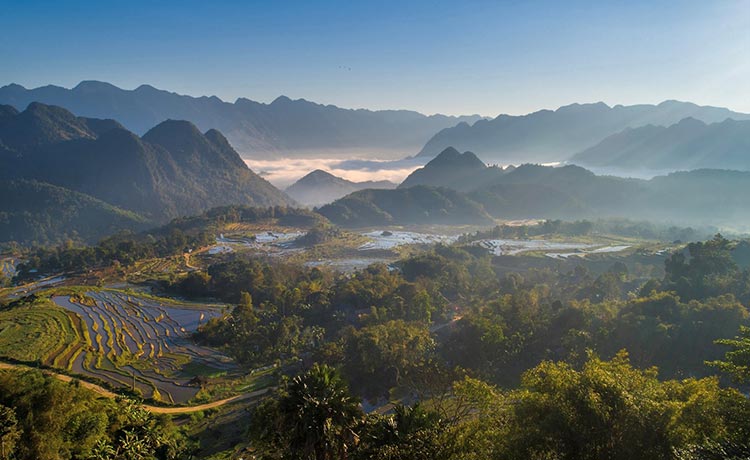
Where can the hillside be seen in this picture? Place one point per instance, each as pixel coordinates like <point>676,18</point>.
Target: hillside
<point>292,127</point>
<point>173,170</point>
<point>552,136</point>
<point>415,205</point>
<point>35,212</point>
<point>320,187</point>
<point>689,144</point>
<point>459,171</point>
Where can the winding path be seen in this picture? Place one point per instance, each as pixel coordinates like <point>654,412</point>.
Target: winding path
<point>153,409</point>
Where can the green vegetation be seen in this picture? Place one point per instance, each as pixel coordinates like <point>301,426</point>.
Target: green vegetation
<point>605,409</point>
<point>35,330</point>
<point>313,419</point>
<point>448,353</point>
<point>62,420</point>
<point>35,213</point>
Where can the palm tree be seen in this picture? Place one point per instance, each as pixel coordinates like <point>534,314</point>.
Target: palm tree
<point>319,415</point>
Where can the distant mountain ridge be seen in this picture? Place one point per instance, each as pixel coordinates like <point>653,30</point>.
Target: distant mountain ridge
<point>545,192</point>
<point>552,136</point>
<point>283,127</point>
<point>173,170</point>
<point>689,144</point>
<point>320,187</point>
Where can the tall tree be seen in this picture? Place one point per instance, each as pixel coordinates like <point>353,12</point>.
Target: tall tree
<point>313,419</point>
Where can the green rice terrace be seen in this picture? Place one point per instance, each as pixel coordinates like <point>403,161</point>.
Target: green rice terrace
<point>127,341</point>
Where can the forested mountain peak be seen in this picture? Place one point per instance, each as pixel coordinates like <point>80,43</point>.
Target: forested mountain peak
<point>449,169</point>
<point>173,170</point>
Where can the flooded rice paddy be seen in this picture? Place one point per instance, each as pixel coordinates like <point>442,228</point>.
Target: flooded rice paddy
<point>135,341</point>
<point>385,239</point>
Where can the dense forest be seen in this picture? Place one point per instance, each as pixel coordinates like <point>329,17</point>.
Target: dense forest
<point>540,365</point>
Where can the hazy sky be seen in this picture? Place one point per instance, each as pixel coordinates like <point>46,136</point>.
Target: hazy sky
<point>450,57</point>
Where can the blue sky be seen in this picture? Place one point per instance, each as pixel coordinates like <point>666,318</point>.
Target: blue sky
<point>450,57</point>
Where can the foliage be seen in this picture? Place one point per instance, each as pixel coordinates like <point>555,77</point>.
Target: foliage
<point>312,419</point>
<point>409,433</point>
<point>736,361</point>
<point>10,433</point>
<point>707,270</point>
<point>62,420</point>
<point>377,358</point>
<point>610,410</point>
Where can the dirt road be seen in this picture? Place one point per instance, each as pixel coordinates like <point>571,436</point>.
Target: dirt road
<point>153,409</point>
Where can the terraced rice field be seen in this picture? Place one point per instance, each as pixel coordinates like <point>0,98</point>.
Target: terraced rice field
<point>36,333</point>
<point>130,341</point>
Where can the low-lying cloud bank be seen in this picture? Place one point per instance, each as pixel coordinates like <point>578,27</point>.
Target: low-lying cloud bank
<point>283,173</point>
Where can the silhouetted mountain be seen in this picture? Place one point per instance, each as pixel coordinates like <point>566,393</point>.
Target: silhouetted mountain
<point>459,171</point>
<point>689,144</point>
<point>291,127</point>
<point>570,192</point>
<point>415,205</point>
<point>173,170</point>
<point>551,136</point>
<point>42,125</point>
<point>35,212</point>
<point>320,187</point>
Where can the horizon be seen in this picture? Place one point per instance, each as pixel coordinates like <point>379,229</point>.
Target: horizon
<point>481,57</point>
<point>326,104</point>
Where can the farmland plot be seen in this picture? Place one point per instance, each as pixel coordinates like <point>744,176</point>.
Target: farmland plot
<point>131,341</point>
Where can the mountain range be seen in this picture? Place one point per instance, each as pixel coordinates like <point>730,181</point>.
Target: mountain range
<point>285,127</point>
<point>550,136</point>
<point>534,191</point>
<point>320,187</point>
<point>689,144</point>
<point>172,170</point>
